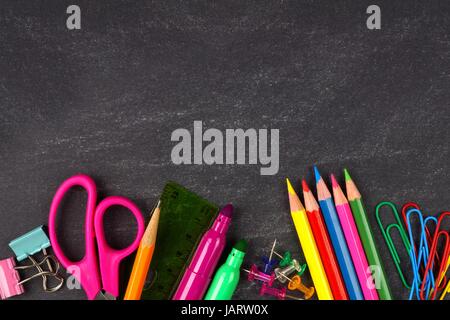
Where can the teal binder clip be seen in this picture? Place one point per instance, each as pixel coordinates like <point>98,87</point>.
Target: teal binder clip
<point>30,243</point>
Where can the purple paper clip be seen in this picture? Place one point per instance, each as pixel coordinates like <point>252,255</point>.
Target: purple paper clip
<point>9,279</point>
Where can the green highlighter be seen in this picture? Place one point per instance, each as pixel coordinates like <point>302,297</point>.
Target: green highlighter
<point>226,278</point>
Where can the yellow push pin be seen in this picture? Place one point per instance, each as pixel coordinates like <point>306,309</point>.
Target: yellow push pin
<point>296,284</point>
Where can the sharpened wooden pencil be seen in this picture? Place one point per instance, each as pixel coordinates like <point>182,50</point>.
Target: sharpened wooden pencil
<point>338,239</point>
<point>362,269</point>
<point>308,245</point>
<point>143,258</point>
<point>323,243</point>
<point>366,235</point>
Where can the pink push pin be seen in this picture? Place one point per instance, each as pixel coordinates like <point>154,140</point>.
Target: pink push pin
<point>255,274</point>
<point>280,294</point>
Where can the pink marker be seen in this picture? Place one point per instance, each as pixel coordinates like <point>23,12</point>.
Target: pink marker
<point>198,275</point>
<point>359,259</point>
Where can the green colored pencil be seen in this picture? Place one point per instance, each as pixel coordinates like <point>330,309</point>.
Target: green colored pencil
<point>365,233</point>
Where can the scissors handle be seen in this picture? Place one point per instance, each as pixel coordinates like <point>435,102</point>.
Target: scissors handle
<point>85,270</point>
<point>110,258</point>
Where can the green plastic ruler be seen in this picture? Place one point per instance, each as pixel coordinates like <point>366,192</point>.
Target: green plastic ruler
<point>184,218</point>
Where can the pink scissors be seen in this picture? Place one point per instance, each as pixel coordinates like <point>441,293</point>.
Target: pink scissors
<point>94,281</point>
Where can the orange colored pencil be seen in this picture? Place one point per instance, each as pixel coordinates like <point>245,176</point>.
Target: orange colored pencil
<point>143,258</point>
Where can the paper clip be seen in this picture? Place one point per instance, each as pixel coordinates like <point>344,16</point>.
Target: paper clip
<point>31,243</point>
<point>413,205</point>
<point>444,259</point>
<point>10,283</point>
<point>387,236</point>
<point>9,279</point>
<point>418,255</point>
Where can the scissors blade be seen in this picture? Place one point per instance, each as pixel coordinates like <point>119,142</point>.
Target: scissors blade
<point>103,295</point>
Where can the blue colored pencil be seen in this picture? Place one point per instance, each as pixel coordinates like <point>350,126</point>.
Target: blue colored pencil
<point>337,239</point>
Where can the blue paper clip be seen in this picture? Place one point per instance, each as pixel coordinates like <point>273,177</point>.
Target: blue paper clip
<point>30,243</point>
<point>419,255</point>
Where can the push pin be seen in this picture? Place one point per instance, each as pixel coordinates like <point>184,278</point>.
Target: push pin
<point>286,260</point>
<point>280,294</point>
<point>270,263</point>
<point>31,243</point>
<point>282,275</point>
<point>296,284</point>
<point>255,274</point>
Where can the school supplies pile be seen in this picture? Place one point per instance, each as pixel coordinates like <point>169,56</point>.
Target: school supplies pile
<point>338,245</point>
<point>28,246</point>
<point>179,250</point>
<point>427,243</point>
<point>276,273</point>
<point>165,259</point>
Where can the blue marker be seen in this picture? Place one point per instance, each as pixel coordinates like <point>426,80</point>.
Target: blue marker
<point>337,239</point>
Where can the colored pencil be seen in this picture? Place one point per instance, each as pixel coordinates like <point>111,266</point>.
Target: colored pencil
<point>308,245</point>
<point>354,242</point>
<point>143,258</point>
<point>323,243</point>
<point>445,292</point>
<point>366,235</point>
<point>338,239</point>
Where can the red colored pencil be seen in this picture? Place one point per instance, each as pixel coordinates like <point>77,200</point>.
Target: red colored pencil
<point>324,245</point>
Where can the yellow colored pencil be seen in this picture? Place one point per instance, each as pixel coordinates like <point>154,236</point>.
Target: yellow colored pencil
<point>143,258</point>
<point>447,287</point>
<point>308,245</point>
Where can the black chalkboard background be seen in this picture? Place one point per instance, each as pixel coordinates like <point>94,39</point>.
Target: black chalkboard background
<point>105,99</point>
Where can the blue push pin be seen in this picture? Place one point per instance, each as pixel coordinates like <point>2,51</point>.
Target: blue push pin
<point>270,263</point>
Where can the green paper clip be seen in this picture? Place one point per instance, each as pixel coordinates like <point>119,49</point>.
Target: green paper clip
<point>30,243</point>
<point>386,231</point>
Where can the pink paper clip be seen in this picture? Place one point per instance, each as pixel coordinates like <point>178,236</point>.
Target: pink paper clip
<point>9,279</point>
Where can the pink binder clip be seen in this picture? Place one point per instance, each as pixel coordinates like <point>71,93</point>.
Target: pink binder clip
<point>9,279</point>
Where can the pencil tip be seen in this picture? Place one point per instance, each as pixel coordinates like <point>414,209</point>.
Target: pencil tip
<point>317,174</point>
<point>289,186</point>
<point>347,175</point>
<point>334,183</point>
<point>305,186</point>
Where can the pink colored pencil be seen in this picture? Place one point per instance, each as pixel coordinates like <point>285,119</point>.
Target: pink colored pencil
<point>354,242</point>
